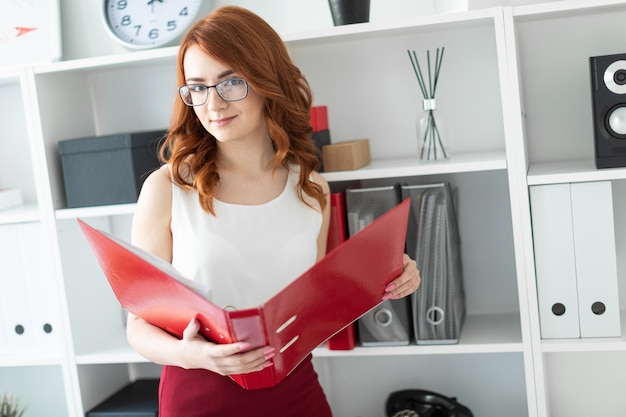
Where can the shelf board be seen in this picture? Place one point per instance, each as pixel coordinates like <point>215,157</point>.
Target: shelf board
<point>382,168</point>
<point>113,349</point>
<point>96,211</point>
<point>480,334</point>
<point>571,171</point>
<point>123,60</point>
<point>27,358</point>
<point>20,214</point>
<point>564,7</point>
<point>409,167</point>
<point>375,29</point>
<point>588,344</point>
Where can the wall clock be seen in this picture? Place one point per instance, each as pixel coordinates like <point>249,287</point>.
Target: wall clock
<point>30,31</point>
<point>142,24</point>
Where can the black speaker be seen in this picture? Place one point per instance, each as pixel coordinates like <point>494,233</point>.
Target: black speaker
<point>608,95</point>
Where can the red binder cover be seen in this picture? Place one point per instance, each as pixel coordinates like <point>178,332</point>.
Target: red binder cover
<point>337,290</point>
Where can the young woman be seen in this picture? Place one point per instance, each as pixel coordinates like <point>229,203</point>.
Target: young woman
<point>239,207</point>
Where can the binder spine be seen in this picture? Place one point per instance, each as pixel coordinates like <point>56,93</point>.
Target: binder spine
<point>433,240</point>
<point>345,339</point>
<point>388,324</point>
<point>249,326</point>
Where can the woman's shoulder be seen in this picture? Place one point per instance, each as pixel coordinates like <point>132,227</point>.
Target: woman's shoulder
<point>157,188</point>
<point>314,176</point>
<point>319,179</point>
<point>159,178</point>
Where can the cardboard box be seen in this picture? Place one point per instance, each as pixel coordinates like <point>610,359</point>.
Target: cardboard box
<point>108,169</point>
<point>346,156</point>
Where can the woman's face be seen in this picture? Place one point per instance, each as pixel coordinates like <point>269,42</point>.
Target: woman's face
<point>226,121</point>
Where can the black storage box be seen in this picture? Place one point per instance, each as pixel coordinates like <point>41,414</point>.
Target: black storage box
<point>320,139</point>
<point>108,169</point>
<point>137,399</point>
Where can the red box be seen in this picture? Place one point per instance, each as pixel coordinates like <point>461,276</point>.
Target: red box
<point>319,118</point>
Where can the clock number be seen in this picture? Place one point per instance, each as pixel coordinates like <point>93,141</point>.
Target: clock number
<point>171,25</point>
<point>184,12</point>
<point>125,20</point>
<point>121,4</point>
<point>153,34</point>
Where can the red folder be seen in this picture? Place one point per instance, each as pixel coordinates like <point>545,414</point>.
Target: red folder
<point>337,290</point>
<point>337,234</point>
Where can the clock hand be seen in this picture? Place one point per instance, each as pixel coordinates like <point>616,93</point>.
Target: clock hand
<point>151,3</point>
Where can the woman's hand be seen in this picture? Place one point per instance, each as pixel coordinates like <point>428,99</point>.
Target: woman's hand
<point>224,359</point>
<point>406,283</point>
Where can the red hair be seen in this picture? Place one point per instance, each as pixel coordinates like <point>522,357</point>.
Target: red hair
<point>249,46</point>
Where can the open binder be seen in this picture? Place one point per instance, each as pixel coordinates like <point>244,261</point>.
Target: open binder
<point>337,290</point>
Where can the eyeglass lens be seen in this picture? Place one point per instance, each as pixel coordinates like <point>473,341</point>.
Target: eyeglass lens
<point>231,89</point>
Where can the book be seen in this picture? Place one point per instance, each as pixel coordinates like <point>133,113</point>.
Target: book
<point>335,291</point>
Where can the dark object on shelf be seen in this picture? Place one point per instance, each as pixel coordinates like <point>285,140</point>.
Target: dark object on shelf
<point>389,323</point>
<point>434,242</point>
<point>108,169</point>
<point>321,132</point>
<point>320,139</point>
<point>346,12</point>
<point>137,399</point>
<point>608,97</point>
<point>414,402</point>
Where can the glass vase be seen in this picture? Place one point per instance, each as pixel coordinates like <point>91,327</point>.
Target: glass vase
<point>431,133</point>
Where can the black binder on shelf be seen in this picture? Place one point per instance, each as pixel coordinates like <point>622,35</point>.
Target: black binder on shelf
<point>433,241</point>
<point>137,399</point>
<point>389,323</point>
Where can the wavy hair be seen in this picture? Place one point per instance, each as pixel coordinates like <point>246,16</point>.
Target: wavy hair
<point>249,46</point>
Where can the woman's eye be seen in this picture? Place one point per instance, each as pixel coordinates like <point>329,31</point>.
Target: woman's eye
<point>234,82</point>
<point>197,88</point>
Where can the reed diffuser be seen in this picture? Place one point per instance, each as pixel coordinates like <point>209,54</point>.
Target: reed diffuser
<point>430,141</point>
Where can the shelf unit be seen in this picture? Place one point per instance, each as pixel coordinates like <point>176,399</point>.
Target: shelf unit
<point>550,48</point>
<point>514,92</point>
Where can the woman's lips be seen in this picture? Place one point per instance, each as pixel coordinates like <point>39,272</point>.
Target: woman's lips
<point>222,122</point>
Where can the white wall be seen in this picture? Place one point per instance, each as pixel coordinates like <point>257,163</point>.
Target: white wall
<point>84,33</point>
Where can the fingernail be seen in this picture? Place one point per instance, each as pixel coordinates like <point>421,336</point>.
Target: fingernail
<point>244,346</point>
<point>386,296</point>
<point>267,365</point>
<point>390,287</point>
<point>269,356</point>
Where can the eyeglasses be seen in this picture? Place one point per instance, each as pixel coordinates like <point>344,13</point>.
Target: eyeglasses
<point>231,89</point>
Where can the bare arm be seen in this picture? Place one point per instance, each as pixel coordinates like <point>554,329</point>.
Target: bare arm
<point>151,232</point>
<point>322,238</point>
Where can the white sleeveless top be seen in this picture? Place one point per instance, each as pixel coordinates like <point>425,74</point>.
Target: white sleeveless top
<point>245,253</point>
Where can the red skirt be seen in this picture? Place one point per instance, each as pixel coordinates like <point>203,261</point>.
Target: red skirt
<point>202,393</point>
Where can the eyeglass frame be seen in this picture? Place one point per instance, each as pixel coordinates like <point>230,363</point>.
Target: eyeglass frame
<point>208,88</point>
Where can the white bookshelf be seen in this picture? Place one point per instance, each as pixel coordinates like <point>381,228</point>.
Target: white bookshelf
<point>515,94</point>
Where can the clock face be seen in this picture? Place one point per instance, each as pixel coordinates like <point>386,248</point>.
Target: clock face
<point>145,24</point>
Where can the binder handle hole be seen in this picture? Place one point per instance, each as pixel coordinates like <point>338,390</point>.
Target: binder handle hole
<point>47,328</point>
<point>435,315</point>
<point>383,317</point>
<point>19,329</point>
<point>598,308</point>
<point>558,309</point>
